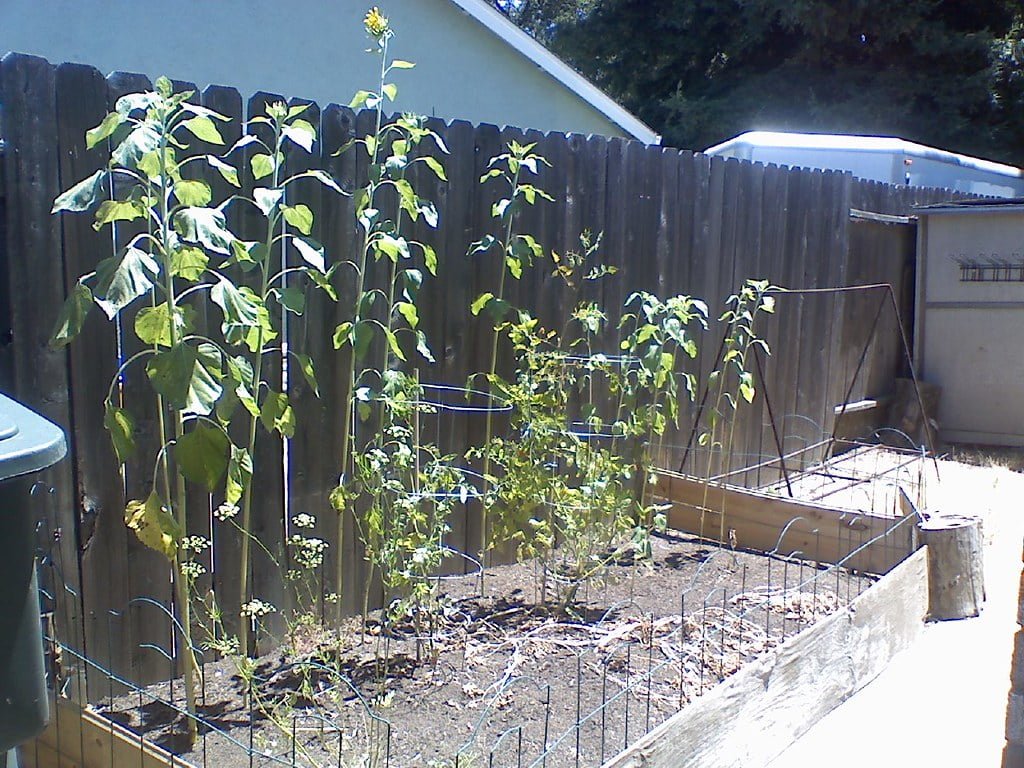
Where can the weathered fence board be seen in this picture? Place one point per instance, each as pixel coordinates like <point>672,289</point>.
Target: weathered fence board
<point>102,536</point>
<point>482,273</point>
<point>456,199</point>
<point>836,238</point>
<point>268,506</point>
<point>224,552</point>
<point>671,222</point>
<point>309,450</point>
<point>773,238</point>
<point>749,260</point>
<point>199,501</point>
<point>337,127</point>
<point>791,314</point>
<point>34,279</point>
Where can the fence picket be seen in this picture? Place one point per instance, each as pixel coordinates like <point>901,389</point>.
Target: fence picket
<point>225,551</point>
<point>92,363</point>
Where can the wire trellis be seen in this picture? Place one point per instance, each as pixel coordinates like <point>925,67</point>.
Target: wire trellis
<point>623,673</point>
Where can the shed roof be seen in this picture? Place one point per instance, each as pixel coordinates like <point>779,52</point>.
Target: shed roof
<point>983,205</point>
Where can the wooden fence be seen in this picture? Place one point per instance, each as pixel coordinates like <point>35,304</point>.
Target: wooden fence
<point>672,222</point>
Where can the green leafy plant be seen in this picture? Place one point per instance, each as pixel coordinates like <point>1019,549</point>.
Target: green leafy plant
<point>515,251</point>
<point>558,492</point>
<point>182,253</point>
<point>248,325</point>
<point>387,473</point>
<point>519,467</point>
<point>656,334</point>
<point>732,381</point>
<point>564,488</point>
<point>305,561</point>
<point>409,490</point>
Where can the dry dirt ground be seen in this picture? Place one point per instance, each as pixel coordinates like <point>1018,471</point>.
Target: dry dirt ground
<point>506,674</point>
<point>980,481</point>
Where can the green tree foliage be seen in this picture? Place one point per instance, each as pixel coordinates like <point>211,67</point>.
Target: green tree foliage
<point>1008,91</point>
<point>700,71</point>
<point>543,18</point>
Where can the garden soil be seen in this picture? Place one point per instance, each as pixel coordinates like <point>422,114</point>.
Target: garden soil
<point>506,672</point>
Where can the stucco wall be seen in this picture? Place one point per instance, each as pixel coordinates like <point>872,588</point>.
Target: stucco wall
<point>969,333</point>
<point>312,49</point>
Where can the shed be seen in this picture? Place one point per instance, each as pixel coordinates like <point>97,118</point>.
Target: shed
<point>970,317</point>
<point>877,158</point>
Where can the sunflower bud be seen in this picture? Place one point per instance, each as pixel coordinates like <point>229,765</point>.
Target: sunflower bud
<point>376,23</point>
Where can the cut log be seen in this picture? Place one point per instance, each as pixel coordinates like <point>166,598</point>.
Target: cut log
<point>956,578</point>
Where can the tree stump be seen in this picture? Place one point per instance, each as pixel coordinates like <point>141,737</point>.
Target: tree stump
<point>956,578</point>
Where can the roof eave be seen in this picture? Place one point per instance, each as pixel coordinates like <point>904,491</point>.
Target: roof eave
<point>500,26</point>
<point>828,142</point>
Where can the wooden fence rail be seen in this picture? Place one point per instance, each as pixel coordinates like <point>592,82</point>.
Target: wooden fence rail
<point>672,222</point>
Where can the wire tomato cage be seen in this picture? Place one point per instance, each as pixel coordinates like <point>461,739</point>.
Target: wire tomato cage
<point>446,420</point>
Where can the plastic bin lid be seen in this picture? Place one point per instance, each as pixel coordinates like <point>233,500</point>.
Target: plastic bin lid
<point>28,442</point>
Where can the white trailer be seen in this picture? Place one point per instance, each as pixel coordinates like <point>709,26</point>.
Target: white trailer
<point>877,158</point>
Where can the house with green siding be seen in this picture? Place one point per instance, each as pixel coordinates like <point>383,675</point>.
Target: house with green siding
<point>472,63</point>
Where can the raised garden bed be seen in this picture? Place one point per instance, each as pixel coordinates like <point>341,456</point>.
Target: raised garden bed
<point>506,674</point>
<point>852,509</point>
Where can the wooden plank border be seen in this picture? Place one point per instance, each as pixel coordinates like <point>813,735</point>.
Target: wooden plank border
<point>770,523</point>
<point>753,716</point>
<point>85,739</point>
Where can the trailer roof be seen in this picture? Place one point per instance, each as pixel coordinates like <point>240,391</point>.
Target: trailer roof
<point>877,144</point>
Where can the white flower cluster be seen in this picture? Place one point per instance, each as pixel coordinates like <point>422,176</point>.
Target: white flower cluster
<point>192,570</point>
<point>225,511</point>
<point>257,608</point>
<point>309,552</point>
<point>194,543</point>
<point>303,520</point>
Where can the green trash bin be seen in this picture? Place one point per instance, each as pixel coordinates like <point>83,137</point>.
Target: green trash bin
<point>28,443</point>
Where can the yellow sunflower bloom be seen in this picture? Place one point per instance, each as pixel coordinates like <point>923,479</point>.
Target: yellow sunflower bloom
<point>376,23</point>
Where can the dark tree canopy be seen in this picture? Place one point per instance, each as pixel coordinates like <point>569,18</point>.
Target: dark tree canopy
<point>942,72</point>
